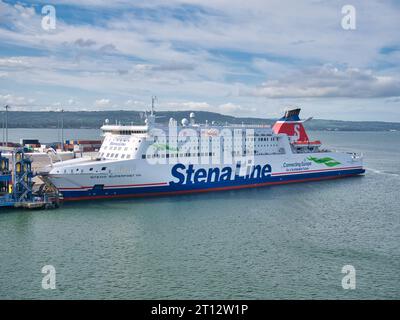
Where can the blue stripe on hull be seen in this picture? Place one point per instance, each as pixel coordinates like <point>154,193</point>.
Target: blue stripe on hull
<point>202,187</point>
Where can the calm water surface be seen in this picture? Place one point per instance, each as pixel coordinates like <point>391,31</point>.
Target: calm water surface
<point>285,242</point>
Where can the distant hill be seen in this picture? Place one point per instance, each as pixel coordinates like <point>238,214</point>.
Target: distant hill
<point>94,119</point>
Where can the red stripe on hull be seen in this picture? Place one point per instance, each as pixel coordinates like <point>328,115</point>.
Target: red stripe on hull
<point>164,193</point>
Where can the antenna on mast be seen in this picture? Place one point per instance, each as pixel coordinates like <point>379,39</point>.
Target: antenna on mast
<point>6,124</point>
<point>150,120</point>
<point>153,99</point>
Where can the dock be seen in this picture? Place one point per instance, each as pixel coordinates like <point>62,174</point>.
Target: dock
<point>36,205</point>
<point>18,188</point>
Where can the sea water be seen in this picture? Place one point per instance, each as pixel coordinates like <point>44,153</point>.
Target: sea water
<point>279,242</point>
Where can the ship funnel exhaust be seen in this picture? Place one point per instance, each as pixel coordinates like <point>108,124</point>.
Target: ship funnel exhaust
<point>291,125</point>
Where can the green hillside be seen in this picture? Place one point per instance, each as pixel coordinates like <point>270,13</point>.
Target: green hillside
<point>94,119</point>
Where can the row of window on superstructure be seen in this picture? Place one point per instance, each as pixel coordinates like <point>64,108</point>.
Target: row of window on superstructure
<point>115,148</point>
<point>115,155</point>
<point>234,138</point>
<point>201,154</point>
<point>125,132</point>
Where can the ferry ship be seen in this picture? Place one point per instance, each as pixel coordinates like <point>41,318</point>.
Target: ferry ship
<point>155,159</point>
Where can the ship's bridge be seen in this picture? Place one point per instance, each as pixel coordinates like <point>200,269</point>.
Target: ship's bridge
<point>122,142</point>
<point>124,129</point>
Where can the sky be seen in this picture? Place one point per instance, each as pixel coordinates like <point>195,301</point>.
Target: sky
<point>242,58</point>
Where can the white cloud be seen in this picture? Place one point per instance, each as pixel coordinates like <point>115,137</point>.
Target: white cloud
<point>187,105</point>
<point>11,62</point>
<point>102,103</point>
<point>15,101</point>
<point>225,108</point>
<point>135,104</point>
<point>235,109</point>
<point>25,12</point>
<point>329,81</point>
